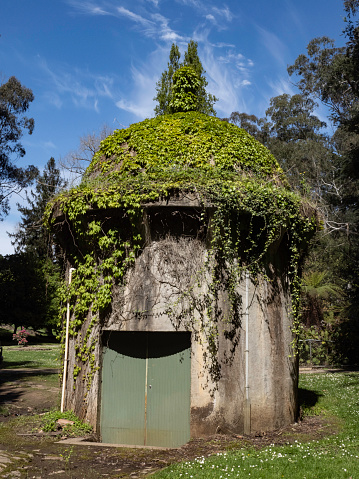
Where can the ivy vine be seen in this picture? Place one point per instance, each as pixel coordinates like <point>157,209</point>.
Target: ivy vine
<point>219,163</point>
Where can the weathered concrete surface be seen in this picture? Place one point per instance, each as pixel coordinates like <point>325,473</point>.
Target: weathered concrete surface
<point>272,372</point>
<point>165,291</point>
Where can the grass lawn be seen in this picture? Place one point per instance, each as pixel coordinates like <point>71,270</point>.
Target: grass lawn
<point>40,356</point>
<point>334,457</point>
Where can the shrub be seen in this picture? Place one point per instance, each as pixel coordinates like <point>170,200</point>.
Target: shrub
<point>20,337</point>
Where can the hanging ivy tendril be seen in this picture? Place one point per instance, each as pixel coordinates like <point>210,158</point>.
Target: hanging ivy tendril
<point>156,159</point>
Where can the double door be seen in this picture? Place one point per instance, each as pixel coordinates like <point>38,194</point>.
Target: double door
<point>146,382</point>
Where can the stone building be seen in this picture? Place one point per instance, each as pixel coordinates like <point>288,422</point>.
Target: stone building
<point>186,243</point>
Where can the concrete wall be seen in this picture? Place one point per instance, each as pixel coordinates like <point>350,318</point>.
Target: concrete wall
<point>164,292</point>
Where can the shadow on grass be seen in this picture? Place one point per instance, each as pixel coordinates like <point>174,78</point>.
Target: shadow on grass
<point>17,364</point>
<point>12,384</point>
<point>307,398</point>
<point>9,396</point>
<point>9,375</point>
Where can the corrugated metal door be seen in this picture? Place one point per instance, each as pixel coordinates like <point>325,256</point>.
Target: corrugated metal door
<point>146,389</point>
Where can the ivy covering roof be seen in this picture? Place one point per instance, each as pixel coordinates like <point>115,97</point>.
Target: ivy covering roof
<point>188,151</point>
<point>183,142</point>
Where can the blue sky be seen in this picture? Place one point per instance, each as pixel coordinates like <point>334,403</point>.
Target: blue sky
<point>96,62</point>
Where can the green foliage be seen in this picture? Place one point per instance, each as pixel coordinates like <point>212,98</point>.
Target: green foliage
<point>174,147</point>
<point>322,302</point>
<point>166,93</point>
<point>315,285</point>
<point>29,288</point>
<point>15,100</point>
<point>330,74</point>
<point>322,73</point>
<point>294,135</point>
<point>79,428</point>
<point>318,346</point>
<point>164,85</point>
<point>184,90</point>
<point>225,168</point>
<point>257,127</point>
<point>292,118</point>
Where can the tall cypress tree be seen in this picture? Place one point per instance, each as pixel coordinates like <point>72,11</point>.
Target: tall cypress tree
<point>205,100</point>
<point>164,87</point>
<point>164,84</point>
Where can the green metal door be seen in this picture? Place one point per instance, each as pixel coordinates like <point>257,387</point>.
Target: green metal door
<point>145,396</point>
<point>122,418</point>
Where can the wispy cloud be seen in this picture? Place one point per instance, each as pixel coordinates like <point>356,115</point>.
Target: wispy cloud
<point>134,17</point>
<point>220,17</point>
<point>225,79</point>
<point>152,25</point>
<point>238,60</point>
<point>53,98</point>
<point>281,85</point>
<point>88,8</point>
<point>82,88</point>
<point>45,145</point>
<point>137,109</point>
<point>139,101</point>
<point>274,45</point>
<point>223,13</point>
<point>223,45</point>
<point>228,71</point>
<point>193,3</point>
<point>296,18</point>
<point>163,30</point>
<point>49,145</point>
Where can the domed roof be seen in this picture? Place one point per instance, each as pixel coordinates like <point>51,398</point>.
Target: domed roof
<point>181,145</point>
<point>188,155</point>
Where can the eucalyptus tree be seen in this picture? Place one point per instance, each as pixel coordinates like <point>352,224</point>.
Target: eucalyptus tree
<point>15,100</point>
<point>330,73</point>
<point>297,139</point>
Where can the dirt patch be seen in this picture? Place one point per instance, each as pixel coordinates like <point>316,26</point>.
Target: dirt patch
<point>22,394</point>
<point>80,462</point>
